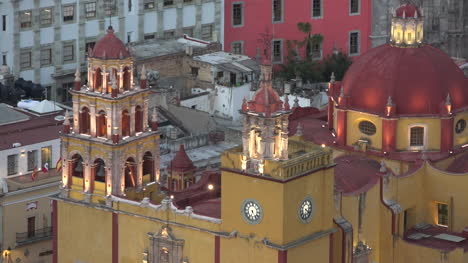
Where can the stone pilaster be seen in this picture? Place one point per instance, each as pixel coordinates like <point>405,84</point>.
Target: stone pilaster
<point>36,50</point>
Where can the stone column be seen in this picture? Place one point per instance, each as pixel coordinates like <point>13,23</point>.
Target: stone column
<point>109,122</point>
<point>132,120</point>
<point>389,135</point>
<point>92,114</point>
<point>120,73</point>
<point>76,116</point>
<point>341,123</point>
<point>145,115</point>
<point>139,181</point>
<point>446,134</point>
<point>245,136</point>
<point>130,71</point>
<point>108,180</point>
<point>284,138</point>
<point>104,75</point>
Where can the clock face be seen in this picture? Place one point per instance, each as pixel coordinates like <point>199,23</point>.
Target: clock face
<point>251,211</point>
<point>306,210</point>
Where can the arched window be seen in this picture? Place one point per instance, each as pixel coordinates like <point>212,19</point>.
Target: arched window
<point>417,136</point>
<point>85,121</point>
<point>99,170</point>
<point>126,79</point>
<point>98,80</point>
<point>148,165</point>
<point>101,124</point>
<point>138,119</point>
<point>125,123</point>
<point>77,166</point>
<point>130,173</point>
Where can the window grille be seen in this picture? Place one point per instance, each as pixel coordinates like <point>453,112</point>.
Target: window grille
<point>237,14</point>
<point>417,136</point>
<point>25,19</point>
<point>46,16</point>
<point>367,127</point>
<point>12,164</point>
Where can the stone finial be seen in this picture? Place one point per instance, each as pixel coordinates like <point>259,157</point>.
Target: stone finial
<point>342,92</point>
<point>245,107</point>
<point>416,14</point>
<point>120,55</point>
<point>296,103</point>
<point>332,77</point>
<point>67,119</point>
<point>286,103</point>
<point>154,116</point>
<point>143,72</point>
<point>77,75</point>
<point>389,101</point>
<point>154,120</point>
<point>298,130</point>
<point>383,167</point>
<point>448,100</point>
<point>404,14</point>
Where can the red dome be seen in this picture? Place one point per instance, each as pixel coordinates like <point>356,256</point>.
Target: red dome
<point>408,9</point>
<point>110,47</point>
<point>266,100</point>
<point>417,79</point>
<point>181,162</point>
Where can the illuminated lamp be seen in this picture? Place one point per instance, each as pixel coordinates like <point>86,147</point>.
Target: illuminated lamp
<point>448,104</point>
<point>389,106</point>
<point>210,187</point>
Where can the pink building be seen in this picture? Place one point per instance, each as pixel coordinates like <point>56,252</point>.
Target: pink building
<point>345,25</point>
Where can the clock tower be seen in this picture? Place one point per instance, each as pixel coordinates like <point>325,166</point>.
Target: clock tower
<point>281,186</point>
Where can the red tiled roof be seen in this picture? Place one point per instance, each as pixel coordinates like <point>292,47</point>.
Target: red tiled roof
<point>35,130</point>
<point>211,208</point>
<point>459,165</point>
<point>355,174</point>
<point>437,243</point>
<point>181,162</point>
<point>110,47</point>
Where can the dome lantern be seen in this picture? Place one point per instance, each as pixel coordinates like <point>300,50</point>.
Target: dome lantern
<point>407,26</point>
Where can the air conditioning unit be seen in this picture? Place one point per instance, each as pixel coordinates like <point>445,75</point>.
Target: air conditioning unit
<point>16,145</point>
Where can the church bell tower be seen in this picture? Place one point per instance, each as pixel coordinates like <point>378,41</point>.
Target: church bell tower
<point>109,148</point>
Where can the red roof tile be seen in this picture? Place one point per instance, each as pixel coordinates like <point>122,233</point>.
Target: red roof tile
<point>437,243</point>
<point>408,9</point>
<point>110,47</point>
<point>355,174</point>
<point>459,165</point>
<point>35,130</point>
<point>181,162</point>
<point>211,208</point>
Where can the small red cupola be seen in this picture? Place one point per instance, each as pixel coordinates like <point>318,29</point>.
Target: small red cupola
<point>181,162</point>
<point>266,100</point>
<point>110,47</point>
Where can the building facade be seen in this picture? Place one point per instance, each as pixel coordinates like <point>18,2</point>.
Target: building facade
<point>251,26</point>
<point>29,153</point>
<point>45,41</point>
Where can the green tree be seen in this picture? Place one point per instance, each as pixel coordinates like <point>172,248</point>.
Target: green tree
<point>309,40</point>
<point>337,63</point>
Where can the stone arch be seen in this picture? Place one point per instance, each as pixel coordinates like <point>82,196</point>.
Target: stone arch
<point>98,79</point>
<point>126,78</point>
<point>125,123</point>
<point>85,119</point>
<point>99,170</point>
<point>77,167</point>
<point>148,165</point>
<point>101,123</point>
<point>130,172</point>
<point>138,118</point>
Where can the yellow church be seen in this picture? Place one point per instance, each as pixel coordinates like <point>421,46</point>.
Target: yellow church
<point>382,179</point>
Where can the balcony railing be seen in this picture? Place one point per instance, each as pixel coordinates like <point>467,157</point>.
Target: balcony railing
<point>30,237</point>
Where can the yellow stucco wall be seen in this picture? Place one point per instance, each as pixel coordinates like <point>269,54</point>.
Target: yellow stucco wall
<point>244,250</point>
<point>315,251</point>
<point>316,186</point>
<point>460,138</point>
<point>433,132</point>
<point>84,234</point>
<point>354,134</point>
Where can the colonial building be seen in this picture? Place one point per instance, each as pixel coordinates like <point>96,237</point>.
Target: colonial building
<point>29,153</point>
<point>45,41</point>
<point>383,180</point>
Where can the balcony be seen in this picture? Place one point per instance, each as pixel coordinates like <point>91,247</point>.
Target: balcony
<point>25,238</point>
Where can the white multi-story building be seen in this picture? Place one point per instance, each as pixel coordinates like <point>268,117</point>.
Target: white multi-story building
<point>46,40</point>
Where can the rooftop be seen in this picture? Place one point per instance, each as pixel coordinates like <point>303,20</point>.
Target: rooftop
<point>26,180</point>
<point>162,47</point>
<point>437,237</point>
<point>229,62</point>
<point>355,174</point>
<point>28,129</point>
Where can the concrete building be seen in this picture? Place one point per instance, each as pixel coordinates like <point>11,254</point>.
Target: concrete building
<point>45,41</point>
<point>29,152</point>
<point>220,81</point>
